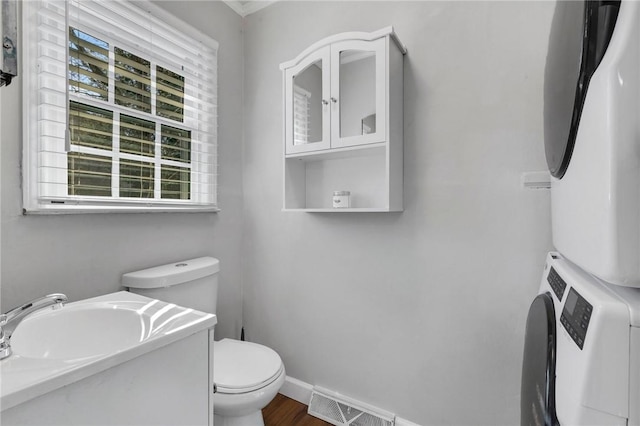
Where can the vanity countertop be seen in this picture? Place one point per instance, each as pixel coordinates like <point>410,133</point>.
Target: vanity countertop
<point>100,333</point>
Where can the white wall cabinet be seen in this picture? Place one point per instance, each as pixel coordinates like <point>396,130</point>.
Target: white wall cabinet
<point>343,108</point>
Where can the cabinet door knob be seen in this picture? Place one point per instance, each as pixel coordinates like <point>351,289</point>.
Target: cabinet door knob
<point>325,102</point>
<point>334,100</point>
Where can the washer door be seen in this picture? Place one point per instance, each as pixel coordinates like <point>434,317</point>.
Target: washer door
<point>537,398</point>
<point>580,35</point>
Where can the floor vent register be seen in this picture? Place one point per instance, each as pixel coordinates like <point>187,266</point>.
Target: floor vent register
<point>342,411</point>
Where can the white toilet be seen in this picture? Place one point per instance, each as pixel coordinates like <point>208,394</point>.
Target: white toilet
<point>246,376</point>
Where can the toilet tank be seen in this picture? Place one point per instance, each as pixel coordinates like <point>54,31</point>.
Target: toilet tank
<point>190,283</point>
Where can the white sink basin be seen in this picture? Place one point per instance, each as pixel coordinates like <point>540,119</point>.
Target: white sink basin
<point>55,347</point>
<point>79,331</point>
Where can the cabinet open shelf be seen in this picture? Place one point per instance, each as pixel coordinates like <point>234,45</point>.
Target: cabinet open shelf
<point>311,180</point>
<point>351,151</point>
<point>349,210</point>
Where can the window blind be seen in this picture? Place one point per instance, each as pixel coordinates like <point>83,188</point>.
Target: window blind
<point>301,115</point>
<point>120,107</point>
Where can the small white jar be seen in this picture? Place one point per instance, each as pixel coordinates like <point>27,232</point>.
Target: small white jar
<point>341,199</point>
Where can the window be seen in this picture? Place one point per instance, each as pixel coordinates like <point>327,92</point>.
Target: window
<point>120,109</point>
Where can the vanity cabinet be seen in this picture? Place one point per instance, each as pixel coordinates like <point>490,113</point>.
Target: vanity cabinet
<point>343,107</point>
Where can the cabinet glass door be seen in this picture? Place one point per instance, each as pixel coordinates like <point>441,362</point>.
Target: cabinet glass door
<point>307,104</point>
<point>358,93</point>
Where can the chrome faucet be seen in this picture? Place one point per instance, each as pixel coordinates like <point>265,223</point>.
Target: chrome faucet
<point>10,320</point>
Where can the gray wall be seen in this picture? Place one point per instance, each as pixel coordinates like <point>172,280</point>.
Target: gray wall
<point>422,312</point>
<point>85,255</point>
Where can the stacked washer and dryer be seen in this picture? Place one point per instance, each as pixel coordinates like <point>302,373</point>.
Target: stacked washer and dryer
<point>581,362</point>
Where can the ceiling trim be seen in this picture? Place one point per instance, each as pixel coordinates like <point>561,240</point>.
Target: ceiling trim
<point>236,6</point>
<point>244,8</point>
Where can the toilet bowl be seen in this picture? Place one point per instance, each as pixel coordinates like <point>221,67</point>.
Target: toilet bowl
<point>246,376</point>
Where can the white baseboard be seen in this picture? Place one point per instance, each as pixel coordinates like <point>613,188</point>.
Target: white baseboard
<point>297,389</point>
<point>301,392</point>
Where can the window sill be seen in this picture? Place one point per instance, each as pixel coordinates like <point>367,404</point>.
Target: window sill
<point>85,209</point>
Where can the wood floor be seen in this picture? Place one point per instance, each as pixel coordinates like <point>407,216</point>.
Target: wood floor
<point>283,411</point>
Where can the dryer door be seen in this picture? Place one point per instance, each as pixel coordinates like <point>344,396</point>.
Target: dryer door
<point>580,35</point>
<point>537,398</point>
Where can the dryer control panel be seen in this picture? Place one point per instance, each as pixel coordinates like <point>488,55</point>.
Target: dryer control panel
<point>575,316</point>
<point>556,283</point>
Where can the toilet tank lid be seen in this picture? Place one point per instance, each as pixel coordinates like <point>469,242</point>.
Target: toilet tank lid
<point>172,274</point>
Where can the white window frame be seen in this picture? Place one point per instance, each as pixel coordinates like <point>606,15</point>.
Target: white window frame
<point>203,160</point>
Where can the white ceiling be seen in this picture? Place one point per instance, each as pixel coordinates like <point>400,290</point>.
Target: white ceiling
<point>246,7</point>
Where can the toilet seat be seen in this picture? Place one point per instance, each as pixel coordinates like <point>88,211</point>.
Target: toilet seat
<point>241,367</point>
